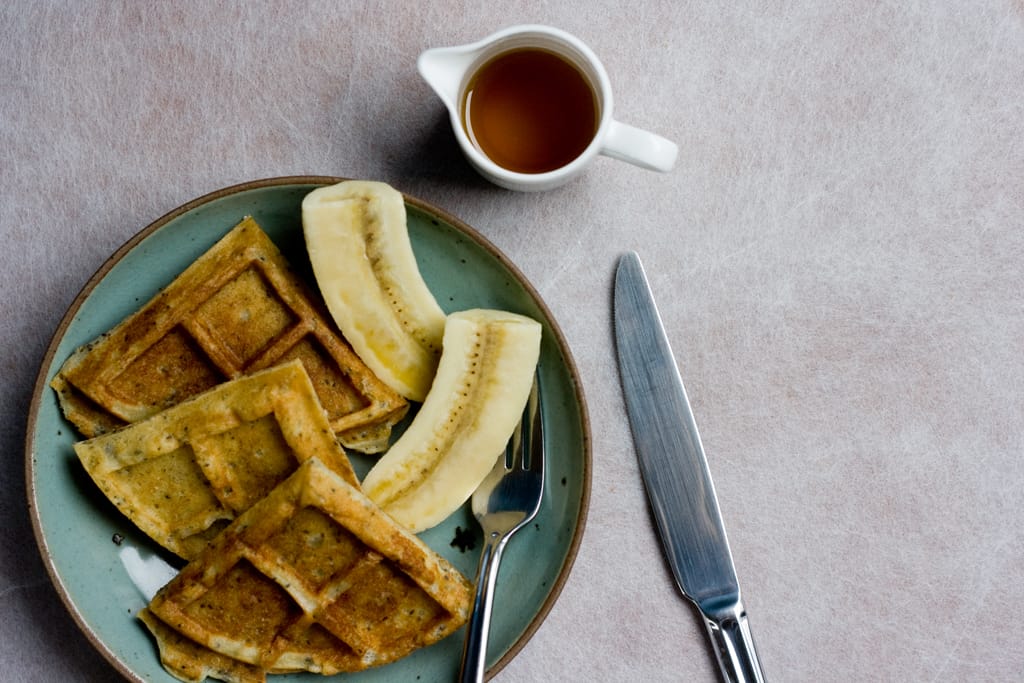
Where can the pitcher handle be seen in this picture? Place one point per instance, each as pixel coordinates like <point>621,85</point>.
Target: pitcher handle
<point>639,147</point>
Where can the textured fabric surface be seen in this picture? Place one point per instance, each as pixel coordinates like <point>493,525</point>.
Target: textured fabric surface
<point>837,254</point>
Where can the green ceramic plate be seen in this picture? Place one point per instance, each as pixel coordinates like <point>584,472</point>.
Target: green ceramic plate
<point>76,527</point>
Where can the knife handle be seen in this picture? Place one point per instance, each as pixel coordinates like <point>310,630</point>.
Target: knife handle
<point>733,644</point>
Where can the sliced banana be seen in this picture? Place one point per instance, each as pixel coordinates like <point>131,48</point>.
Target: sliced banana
<point>482,384</point>
<point>358,243</point>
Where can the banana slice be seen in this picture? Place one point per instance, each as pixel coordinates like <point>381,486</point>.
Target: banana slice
<point>358,244</point>
<point>483,382</point>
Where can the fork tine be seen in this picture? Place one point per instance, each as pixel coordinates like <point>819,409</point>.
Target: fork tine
<point>533,423</point>
<point>537,436</point>
<point>513,448</point>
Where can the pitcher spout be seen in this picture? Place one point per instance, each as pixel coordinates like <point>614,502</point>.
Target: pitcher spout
<point>443,68</point>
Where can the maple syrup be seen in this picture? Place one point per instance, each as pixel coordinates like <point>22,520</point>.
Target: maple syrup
<point>530,110</point>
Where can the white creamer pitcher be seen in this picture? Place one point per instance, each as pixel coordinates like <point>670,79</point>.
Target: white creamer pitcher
<point>449,70</point>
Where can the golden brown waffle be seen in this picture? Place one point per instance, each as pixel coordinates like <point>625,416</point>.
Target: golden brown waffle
<point>187,661</point>
<point>313,577</point>
<point>183,474</point>
<point>237,309</point>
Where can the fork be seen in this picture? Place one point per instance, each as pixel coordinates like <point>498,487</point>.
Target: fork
<point>505,502</point>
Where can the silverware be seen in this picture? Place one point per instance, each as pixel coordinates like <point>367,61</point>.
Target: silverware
<point>675,473</point>
<point>507,499</point>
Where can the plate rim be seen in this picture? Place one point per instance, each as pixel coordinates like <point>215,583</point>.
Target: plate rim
<point>41,383</point>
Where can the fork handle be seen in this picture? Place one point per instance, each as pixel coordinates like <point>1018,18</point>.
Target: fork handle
<point>474,650</point>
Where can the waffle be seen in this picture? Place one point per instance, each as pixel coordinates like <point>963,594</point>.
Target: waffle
<point>237,309</point>
<point>183,474</point>
<point>313,577</point>
<point>188,661</point>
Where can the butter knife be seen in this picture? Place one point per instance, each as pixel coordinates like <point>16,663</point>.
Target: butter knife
<point>675,474</point>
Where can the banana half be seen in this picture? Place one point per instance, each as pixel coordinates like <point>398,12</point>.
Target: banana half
<point>482,384</point>
<point>358,243</point>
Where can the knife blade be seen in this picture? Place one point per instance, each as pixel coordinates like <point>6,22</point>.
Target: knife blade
<point>675,472</point>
